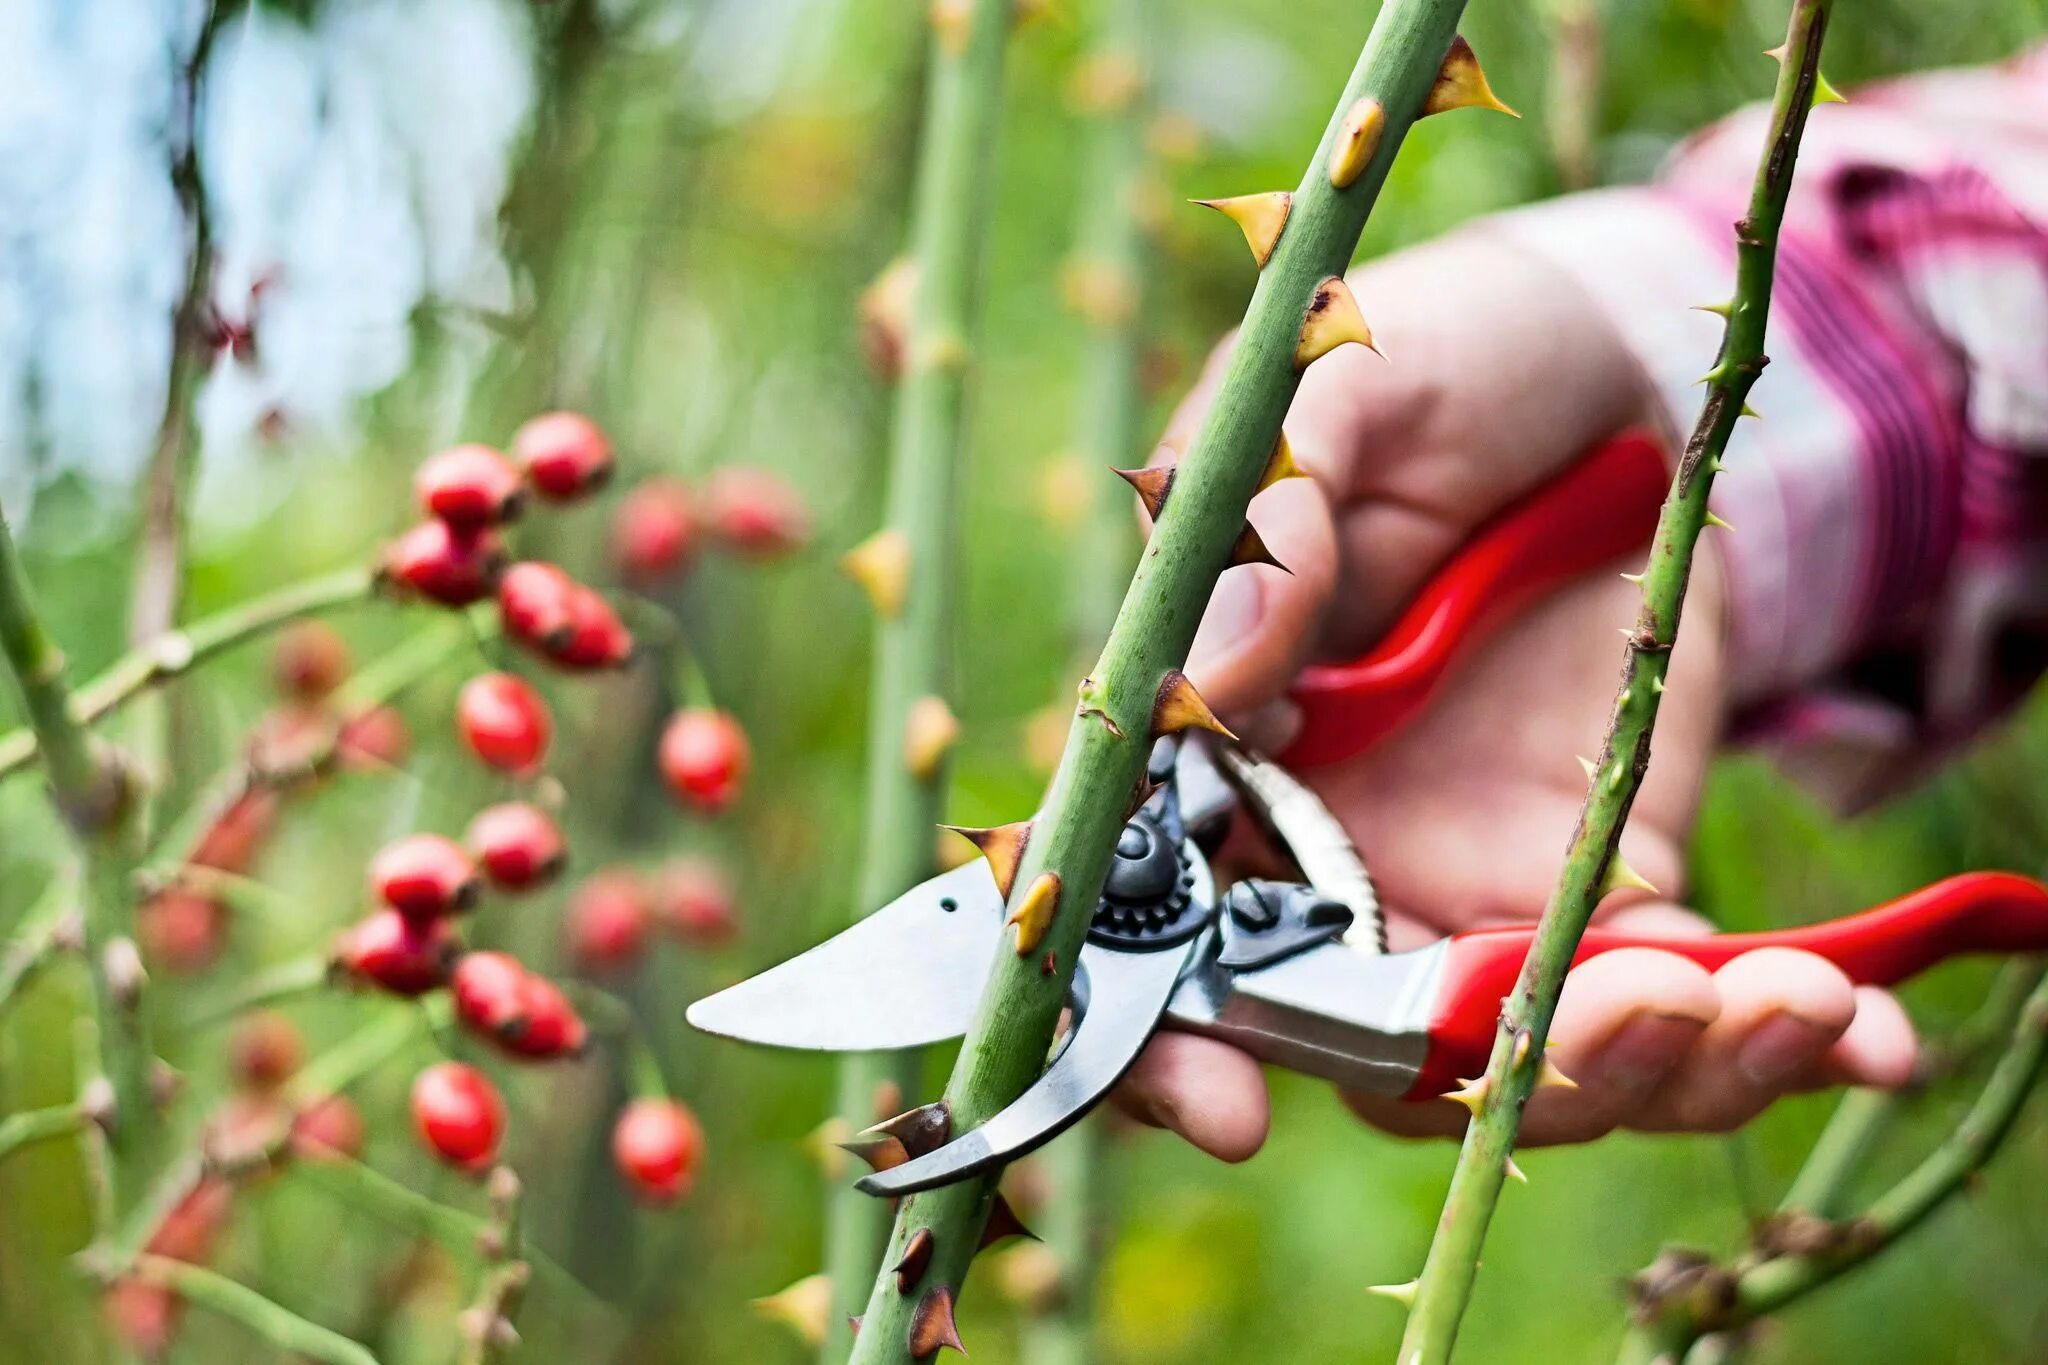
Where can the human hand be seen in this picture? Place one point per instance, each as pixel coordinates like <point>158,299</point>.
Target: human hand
<point>1502,373</point>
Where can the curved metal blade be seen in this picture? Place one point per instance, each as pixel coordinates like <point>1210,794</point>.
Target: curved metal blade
<point>1119,997</point>
<point>907,975</point>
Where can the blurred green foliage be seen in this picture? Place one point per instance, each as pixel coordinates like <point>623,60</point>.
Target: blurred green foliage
<point>691,269</point>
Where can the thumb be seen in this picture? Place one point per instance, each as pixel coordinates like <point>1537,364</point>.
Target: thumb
<point>1263,623</point>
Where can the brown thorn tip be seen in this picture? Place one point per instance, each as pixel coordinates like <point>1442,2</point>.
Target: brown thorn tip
<point>932,1325</point>
<point>1034,913</point>
<point>929,731</point>
<point>1460,84</point>
<point>1333,319</point>
<point>1003,1224</point>
<point>1251,549</point>
<point>1357,140</point>
<point>1261,217</point>
<point>1002,845</point>
<point>1153,484</point>
<point>803,1307</point>
<point>1178,706</point>
<point>881,565</point>
<point>911,1133</point>
<point>917,1257</point>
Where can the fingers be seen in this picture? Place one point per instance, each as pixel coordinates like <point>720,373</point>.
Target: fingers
<point>1262,622</point>
<point>1208,1092</point>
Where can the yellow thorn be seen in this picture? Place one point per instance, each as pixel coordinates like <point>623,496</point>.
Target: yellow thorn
<point>1713,520</point>
<point>1521,1048</point>
<point>1634,578</point>
<point>1280,466</point>
<point>1748,411</point>
<point>1261,217</point>
<point>803,1307</point>
<point>1550,1077</point>
<point>885,317</point>
<point>1620,875</point>
<point>1460,84</point>
<point>1357,139</point>
<point>1515,1172</point>
<point>1777,54</point>
<point>929,730</point>
<point>1472,1094</point>
<point>1099,293</point>
<point>1824,93</point>
<point>952,20</point>
<point>881,565</point>
<point>1002,845</point>
<point>1177,706</point>
<point>1403,1294</point>
<point>1588,765</point>
<point>1333,319</point>
<point>1034,914</point>
<point>1719,310</point>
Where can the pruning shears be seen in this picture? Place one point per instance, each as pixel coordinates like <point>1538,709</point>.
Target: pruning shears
<point>1296,973</point>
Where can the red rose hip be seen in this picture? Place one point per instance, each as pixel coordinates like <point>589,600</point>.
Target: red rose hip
<point>424,877</point>
<point>607,921</point>
<point>264,1051</point>
<point>504,722</point>
<point>458,1113</point>
<point>754,512</point>
<point>517,844</point>
<point>310,661</point>
<point>373,739</point>
<point>704,758</point>
<point>490,992</point>
<point>469,487</point>
<point>437,562</point>
<point>653,530</point>
<point>537,604</point>
<point>386,949</point>
<point>565,455</point>
<point>693,897</point>
<point>597,638</point>
<point>658,1145</point>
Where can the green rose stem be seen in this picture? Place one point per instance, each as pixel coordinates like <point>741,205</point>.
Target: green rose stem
<point>910,568</point>
<point>268,1319</point>
<point>92,791</point>
<point>1592,865</point>
<point>1300,310</point>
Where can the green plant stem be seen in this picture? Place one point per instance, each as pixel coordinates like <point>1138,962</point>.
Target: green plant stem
<point>1109,741</point>
<point>272,1321</point>
<point>1572,101</point>
<point>91,791</point>
<point>487,1324</point>
<point>1823,1179</point>
<point>1063,1333</point>
<point>1667,1329</point>
<point>177,653</point>
<point>914,640</point>
<point>39,935</point>
<point>1445,1285</point>
<point>38,1125</point>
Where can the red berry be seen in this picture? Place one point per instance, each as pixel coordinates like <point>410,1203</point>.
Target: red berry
<point>489,990</point>
<point>597,638</point>
<point>504,722</point>
<point>264,1051</point>
<point>373,739</point>
<point>181,931</point>
<point>231,840</point>
<point>424,876</point>
<point>704,758</point>
<point>391,951</point>
<point>458,1113</point>
<point>190,1229</point>
<point>310,661</point>
<point>327,1128</point>
<point>444,565</point>
<point>549,1025</point>
<point>658,1145</point>
<point>755,512</point>
<point>693,897</point>
<point>469,487</point>
<point>143,1317</point>
<point>652,531</point>
<point>564,454</point>
<point>607,920</point>
<point>518,845</point>
<point>537,604</point>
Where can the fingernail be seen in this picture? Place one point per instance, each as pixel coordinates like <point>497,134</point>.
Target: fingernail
<point>1234,611</point>
<point>1643,1050</point>
<point>1776,1048</point>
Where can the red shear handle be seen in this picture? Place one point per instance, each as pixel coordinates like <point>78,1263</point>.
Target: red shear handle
<point>1978,912</point>
<point>1590,516</point>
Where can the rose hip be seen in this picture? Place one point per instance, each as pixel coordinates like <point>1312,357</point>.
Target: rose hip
<point>597,638</point>
<point>231,840</point>
<point>458,1113</point>
<point>658,1145</point>
<point>704,758</point>
<point>424,877</point>
<point>489,990</point>
<point>469,487</point>
<point>549,1025</point>
<point>180,930</point>
<point>454,568</point>
<point>653,531</point>
<point>373,739</point>
<point>504,722</point>
<point>518,845</point>
<point>693,898</point>
<point>388,950</point>
<point>754,512</point>
<point>607,920</point>
<point>264,1051</point>
<point>565,455</point>
<point>310,661</point>
<point>326,1129</point>
<point>536,604</point>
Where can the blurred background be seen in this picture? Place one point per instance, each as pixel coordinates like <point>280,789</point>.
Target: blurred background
<point>431,219</point>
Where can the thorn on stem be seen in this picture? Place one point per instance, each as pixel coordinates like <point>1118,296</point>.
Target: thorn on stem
<point>1333,320</point>
<point>1177,706</point>
<point>1035,912</point>
<point>932,1325</point>
<point>1261,217</point>
<point>1460,84</point>
<point>881,565</point>
<point>1358,137</point>
<point>1002,845</point>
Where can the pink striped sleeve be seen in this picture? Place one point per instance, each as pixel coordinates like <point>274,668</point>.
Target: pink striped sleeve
<point>1889,564</point>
